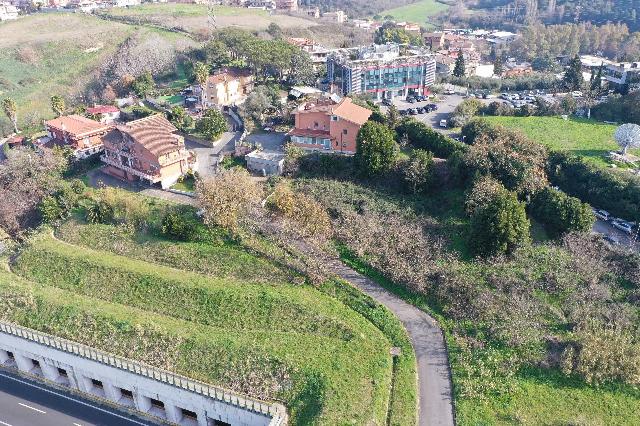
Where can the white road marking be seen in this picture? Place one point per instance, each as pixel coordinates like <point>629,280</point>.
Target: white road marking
<point>74,400</point>
<point>4,424</point>
<point>32,408</point>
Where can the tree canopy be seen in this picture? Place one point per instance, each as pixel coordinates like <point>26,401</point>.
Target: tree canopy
<point>376,149</point>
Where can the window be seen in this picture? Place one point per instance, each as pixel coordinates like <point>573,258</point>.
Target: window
<point>126,393</point>
<point>189,414</point>
<point>97,383</point>
<point>62,372</point>
<point>10,355</point>
<point>315,124</point>
<point>334,118</point>
<point>156,403</point>
<point>345,131</point>
<point>36,363</point>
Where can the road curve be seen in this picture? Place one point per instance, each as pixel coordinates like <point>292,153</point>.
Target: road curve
<point>434,375</point>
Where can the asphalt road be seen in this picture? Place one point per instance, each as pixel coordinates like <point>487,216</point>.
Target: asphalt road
<point>434,376</point>
<point>605,228</point>
<point>27,403</point>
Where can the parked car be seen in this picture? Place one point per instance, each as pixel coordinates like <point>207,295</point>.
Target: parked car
<point>602,214</point>
<point>387,102</point>
<point>404,112</point>
<point>623,226</point>
<point>433,107</point>
<point>611,240</point>
<point>413,111</point>
<point>411,99</point>
<point>420,98</point>
<point>449,92</point>
<point>443,123</point>
<point>505,96</point>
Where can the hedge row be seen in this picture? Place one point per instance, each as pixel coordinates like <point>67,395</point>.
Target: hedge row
<point>421,136</point>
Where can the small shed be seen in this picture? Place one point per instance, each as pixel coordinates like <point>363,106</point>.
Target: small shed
<point>266,163</point>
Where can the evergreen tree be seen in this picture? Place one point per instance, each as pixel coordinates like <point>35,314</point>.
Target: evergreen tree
<point>573,79</point>
<point>376,149</point>
<point>596,81</point>
<point>459,70</point>
<point>498,65</point>
<point>11,111</point>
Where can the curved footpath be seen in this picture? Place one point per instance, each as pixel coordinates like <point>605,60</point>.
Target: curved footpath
<point>434,375</point>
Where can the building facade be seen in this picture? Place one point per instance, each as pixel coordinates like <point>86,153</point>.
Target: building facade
<point>147,150</point>
<point>287,5</point>
<point>382,71</point>
<point>228,87</point>
<point>623,76</point>
<point>80,134</point>
<point>327,125</point>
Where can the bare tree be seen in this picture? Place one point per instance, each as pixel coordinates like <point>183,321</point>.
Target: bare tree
<point>628,136</point>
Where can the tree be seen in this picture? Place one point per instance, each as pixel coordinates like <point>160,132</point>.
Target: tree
<point>217,55</point>
<point>417,171</point>
<point>256,104</point>
<point>180,118</point>
<point>459,70</point>
<point>573,79</point>
<point>274,30</point>
<point>228,197</point>
<point>498,65</point>
<point>499,221</point>
<point>561,213</point>
<point>143,84</point>
<point>376,149</point>
<point>465,111</point>
<point>393,117</point>
<point>201,74</point>
<point>628,136</point>
<point>11,111</point>
<point>212,124</point>
<point>57,105</point>
<point>302,72</point>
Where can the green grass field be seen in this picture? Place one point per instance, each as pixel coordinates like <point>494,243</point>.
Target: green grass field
<point>418,12</point>
<point>587,138</point>
<point>217,312</point>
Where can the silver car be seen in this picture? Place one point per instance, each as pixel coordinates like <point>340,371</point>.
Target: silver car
<point>623,226</point>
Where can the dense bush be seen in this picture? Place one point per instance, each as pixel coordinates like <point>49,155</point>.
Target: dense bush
<point>308,216</point>
<point>115,206</point>
<point>617,191</point>
<point>506,155</point>
<point>179,224</point>
<point>560,213</point>
<point>418,170</point>
<point>499,221</point>
<point>376,149</point>
<point>57,207</point>
<point>535,81</point>
<point>421,136</point>
<point>623,109</point>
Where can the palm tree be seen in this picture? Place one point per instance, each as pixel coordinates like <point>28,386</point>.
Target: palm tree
<point>57,105</point>
<point>11,111</point>
<point>201,73</point>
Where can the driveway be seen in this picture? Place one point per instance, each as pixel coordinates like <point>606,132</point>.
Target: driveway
<point>605,228</point>
<point>208,155</point>
<point>434,375</point>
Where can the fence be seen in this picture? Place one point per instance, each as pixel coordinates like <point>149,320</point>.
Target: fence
<point>275,411</point>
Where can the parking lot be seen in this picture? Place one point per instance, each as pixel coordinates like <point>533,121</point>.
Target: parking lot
<point>613,231</point>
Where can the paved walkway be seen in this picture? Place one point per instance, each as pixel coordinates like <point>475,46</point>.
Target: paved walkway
<point>434,377</point>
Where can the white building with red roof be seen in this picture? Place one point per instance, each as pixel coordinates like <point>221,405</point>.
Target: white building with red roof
<point>105,113</point>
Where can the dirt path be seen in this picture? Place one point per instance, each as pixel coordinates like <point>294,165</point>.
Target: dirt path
<point>434,376</point>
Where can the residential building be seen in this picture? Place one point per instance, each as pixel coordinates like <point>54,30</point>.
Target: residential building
<point>317,52</point>
<point>338,16</point>
<point>228,87</point>
<point>105,113</point>
<point>287,5</point>
<point>623,76</point>
<point>409,27</point>
<point>313,12</point>
<point>501,38</point>
<point>266,163</point>
<point>80,134</point>
<point>125,3</point>
<point>148,150</point>
<point>8,12</point>
<point>261,4</point>
<point>384,71</point>
<point>327,125</point>
<point>514,69</point>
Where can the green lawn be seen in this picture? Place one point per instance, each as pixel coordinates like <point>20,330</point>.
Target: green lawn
<point>215,311</point>
<point>587,138</point>
<point>419,12</point>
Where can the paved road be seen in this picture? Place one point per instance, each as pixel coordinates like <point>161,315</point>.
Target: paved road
<point>605,228</point>
<point>27,403</point>
<point>434,376</point>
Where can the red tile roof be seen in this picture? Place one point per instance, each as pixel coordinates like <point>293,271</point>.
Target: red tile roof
<point>77,125</point>
<point>102,109</point>
<point>344,109</point>
<point>155,133</point>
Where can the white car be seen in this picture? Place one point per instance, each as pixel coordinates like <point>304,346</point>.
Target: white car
<point>443,123</point>
<point>623,226</point>
<point>602,214</point>
<point>449,92</point>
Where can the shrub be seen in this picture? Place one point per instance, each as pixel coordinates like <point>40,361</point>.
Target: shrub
<point>614,190</point>
<point>179,224</point>
<point>228,197</point>
<point>418,171</point>
<point>212,124</point>
<point>112,205</point>
<point>376,149</point>
<point>561,213</point>
<point>309,217</point>
<point>499,221</point>
<point>423,137</point>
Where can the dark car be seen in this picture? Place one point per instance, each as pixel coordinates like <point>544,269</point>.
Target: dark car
<point>387,102</point>
<point>422,110</point>
<point>611,240</point>
<point>433,107</point>
<point>411,100</point>
<point>420,98</point>
<point>413,111</point>
<point>404,112</point>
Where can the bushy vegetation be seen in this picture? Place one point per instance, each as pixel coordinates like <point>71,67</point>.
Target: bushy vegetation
<point>560,213</point>
<point>622,109</point>
<point>376,149</point>
<point>421,136</point>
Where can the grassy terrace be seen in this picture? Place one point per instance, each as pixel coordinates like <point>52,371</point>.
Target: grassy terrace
<point>586,138</point>
<point>218,313</point>
<point>418,12</point>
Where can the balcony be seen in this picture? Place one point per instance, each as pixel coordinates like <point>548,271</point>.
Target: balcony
<point>155,177</point>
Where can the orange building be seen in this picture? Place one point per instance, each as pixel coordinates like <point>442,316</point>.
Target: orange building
<point>327,125</point>
<point>147,149</point>
<point>82,135</point>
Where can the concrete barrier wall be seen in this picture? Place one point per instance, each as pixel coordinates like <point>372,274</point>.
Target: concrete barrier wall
<point>130,384</point>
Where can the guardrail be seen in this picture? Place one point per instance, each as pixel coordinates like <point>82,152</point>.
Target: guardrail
<point>276,411</point>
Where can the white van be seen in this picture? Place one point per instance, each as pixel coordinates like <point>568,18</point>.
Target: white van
<point>443,123</point>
